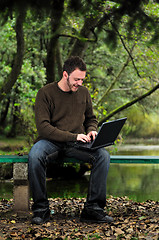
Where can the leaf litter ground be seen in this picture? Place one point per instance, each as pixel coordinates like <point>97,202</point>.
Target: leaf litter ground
<point>132,220</point>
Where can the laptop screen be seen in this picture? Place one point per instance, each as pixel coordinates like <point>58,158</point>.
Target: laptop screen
<point>108,132</point>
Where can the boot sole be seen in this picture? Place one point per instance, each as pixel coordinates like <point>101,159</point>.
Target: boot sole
<point>42,222</point>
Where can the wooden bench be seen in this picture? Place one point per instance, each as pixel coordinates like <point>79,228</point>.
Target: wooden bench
<point>20,173</point>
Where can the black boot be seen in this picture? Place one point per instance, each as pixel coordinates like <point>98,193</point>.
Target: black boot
<point>41,216</point>
<point>95,215</point>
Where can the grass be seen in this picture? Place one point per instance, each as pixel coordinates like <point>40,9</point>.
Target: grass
<point>12,145</point>
<point>20,140</point>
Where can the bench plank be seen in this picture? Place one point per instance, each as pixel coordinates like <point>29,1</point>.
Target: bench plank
<point>13,159</point>
<point>113,159</point>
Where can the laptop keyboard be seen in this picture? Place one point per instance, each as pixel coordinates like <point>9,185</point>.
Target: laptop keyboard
<point>83,144</point>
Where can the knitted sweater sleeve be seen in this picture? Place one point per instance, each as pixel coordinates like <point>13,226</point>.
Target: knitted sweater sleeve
<point>43,123</point>
<point>90,118</point>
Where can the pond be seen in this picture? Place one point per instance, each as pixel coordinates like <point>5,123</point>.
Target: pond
<point>144,150</point>
<point>139,182</point>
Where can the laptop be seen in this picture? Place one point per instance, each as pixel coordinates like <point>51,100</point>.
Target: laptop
<point>106,136</point>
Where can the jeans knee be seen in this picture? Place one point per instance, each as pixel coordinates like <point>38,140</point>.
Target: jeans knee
<point>104,158</point>
<point>36,157</point>
<point>104,155</point>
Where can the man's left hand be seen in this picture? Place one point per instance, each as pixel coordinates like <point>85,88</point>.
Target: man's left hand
<point>91,135</point>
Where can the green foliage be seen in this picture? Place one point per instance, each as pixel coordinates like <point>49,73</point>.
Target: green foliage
<point>122,62</point>
<point>141,124</point>
<point>8,50</point>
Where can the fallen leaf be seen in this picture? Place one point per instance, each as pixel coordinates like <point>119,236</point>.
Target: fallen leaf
<point>13,221</point>
<point>119,231</point>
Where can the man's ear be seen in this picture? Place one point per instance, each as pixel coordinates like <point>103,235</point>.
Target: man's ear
<point>65,75</point>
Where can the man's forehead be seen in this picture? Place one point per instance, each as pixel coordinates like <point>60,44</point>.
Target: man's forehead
<point>77,72</point>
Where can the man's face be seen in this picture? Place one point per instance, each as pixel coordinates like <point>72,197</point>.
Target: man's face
<point>75,79</point>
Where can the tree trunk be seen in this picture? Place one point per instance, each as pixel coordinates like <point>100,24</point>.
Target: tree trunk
<point>87,31</point>
<point>15,114</point>
<point>79,46</point>
<point>10,81</point>
<point>59,60</point>
<point>4,112</point>
<point>56,15</point>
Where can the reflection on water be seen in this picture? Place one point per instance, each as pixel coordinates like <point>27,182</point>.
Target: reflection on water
<point>151,150</point>
<point>68,188</point>
<point>6,189</point>
<point>139,182</point>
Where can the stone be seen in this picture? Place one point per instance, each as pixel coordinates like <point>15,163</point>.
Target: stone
<point>21,187</point>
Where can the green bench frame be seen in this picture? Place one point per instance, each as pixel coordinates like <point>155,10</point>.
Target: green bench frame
<point>20,173</point>
<point>113,159</point>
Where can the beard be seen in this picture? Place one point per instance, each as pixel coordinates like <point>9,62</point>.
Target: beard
<point>72,87</point>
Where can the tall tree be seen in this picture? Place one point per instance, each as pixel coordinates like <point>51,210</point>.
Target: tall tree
<point>7,85</point>
<point>56,15</point>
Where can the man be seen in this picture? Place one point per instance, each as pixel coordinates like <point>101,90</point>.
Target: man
<point>64,115</point>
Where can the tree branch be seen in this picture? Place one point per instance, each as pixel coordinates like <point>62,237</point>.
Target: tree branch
<point>82,39</point>
<point>124,45</point>
<point>125,106</point>
<point>115,79</point>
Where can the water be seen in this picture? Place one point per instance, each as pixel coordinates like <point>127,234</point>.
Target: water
<point>142,150</point>
<point>6,189</point>
<point>139,182</point>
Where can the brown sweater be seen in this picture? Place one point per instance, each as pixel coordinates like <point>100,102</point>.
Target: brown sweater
<point>60,115</point>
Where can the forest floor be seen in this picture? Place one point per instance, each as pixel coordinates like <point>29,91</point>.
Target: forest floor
<point>132,220</point>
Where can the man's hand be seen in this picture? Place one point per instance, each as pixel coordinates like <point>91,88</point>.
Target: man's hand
<point>91,135</point>
<point>87,138</point>
<point>82,137</point>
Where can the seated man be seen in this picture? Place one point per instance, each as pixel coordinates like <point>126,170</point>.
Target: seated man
<point>64,114</point>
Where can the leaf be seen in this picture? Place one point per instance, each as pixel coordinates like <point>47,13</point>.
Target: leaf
<point>13,221</point>
<point>141,218</point>
<point>119,231</point>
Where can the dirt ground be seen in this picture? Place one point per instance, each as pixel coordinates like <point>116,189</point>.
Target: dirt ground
<point>132,220</point>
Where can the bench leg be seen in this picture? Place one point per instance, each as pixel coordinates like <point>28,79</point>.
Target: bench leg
<point>21,187</point>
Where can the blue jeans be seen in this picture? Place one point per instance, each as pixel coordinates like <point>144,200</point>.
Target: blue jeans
<point>38,160</point>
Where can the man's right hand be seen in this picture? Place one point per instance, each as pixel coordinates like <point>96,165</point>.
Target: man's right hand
<point>82,137</point>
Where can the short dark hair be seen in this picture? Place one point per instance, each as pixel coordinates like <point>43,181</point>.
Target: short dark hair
<point>73,63</point>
